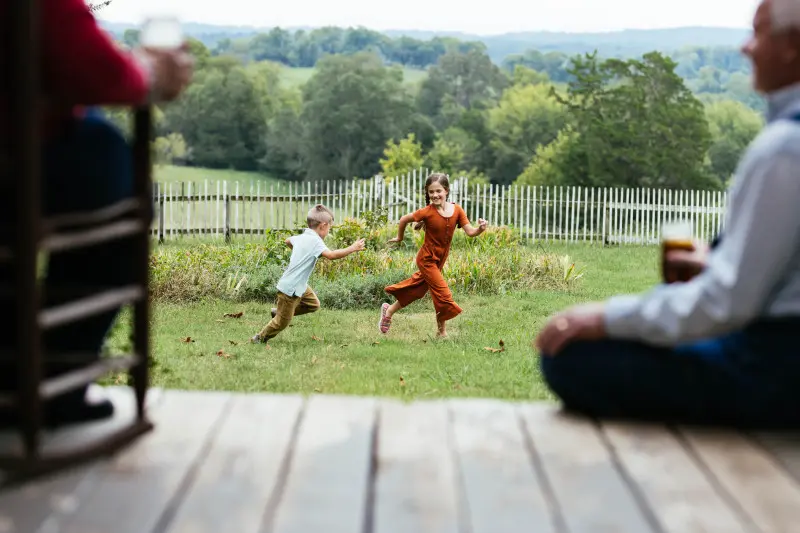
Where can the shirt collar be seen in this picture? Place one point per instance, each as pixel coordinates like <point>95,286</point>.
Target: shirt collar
<point>783,102</point>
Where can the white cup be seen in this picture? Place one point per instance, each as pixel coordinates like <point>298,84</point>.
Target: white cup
<point>163,32</point>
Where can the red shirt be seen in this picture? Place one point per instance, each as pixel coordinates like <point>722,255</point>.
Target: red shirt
<point>80,64</point>
<point>439,232</point>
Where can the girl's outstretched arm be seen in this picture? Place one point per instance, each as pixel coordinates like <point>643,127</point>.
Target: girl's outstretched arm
<point>401,227</point>
<point>474,232</point>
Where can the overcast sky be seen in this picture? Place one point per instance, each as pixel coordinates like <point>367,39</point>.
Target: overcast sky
<point>484,17</point>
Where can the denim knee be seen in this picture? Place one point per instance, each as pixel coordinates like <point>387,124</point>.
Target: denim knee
<point>88,167</point>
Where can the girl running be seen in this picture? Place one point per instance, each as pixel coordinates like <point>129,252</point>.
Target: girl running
<point>440,219</point>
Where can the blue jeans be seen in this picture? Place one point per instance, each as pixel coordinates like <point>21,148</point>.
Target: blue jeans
<point>87,167</point>
<point>749,379</point>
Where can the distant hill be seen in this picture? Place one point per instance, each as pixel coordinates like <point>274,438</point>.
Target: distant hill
<point>619,43</point>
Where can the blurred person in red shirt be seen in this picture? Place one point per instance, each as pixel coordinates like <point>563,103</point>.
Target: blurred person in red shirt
<point>86,164</point>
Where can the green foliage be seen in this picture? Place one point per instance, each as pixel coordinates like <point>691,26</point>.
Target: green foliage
<point>494,263</point>
<point>635,120</point>
<point>523,75</point>
<point>230,131</point>
<point>170,149</point>
<point>733,126</point>
<point>369,227</point>
<point>401,157</point>
<point>458,82</point>
<point>526,118</point>
<point>351,107</point>
<point>550,164</point>
<point>638,125</point>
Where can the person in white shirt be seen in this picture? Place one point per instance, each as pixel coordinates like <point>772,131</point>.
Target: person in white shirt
<point>721,348</point>
<point>295,297</point>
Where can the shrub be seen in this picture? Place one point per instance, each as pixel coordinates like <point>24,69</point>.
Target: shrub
<point>494,263</point>
<point>249,273</point>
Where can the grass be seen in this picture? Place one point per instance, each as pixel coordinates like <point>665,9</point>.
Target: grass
<point>177,174</point>
<point>340,351</point>
<point>294,77</point>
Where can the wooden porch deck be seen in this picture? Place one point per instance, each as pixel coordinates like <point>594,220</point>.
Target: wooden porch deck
<point>235,463</point>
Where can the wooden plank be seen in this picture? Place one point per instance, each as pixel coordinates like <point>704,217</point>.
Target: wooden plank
<point>416,484</point>
<point>501,486</point>
<point>592,495</point>
<point>28,508</point>
<point>677,490</point>
<point>329,474</point>
<point>785,447</point>
<point>132,493</point>
<point>765,492</point>
<point>242,470</point>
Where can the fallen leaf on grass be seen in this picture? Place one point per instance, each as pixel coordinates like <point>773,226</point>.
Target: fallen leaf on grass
<point>223,353</point>
<point>314,360</point>
<point>376,343</point>
<point>502,348</point>
<point>187,340</point>
<point>220,320</point>
<point>315,338</point>
<point>233,315</point>
<point>234,343</point>
<point>402,382</point>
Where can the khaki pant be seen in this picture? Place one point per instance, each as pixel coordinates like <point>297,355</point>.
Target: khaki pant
<point>288,307</point>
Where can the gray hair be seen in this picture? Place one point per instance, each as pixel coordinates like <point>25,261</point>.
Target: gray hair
<point>785,15</point>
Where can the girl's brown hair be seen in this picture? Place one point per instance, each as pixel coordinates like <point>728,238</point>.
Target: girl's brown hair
<point>437,177</point>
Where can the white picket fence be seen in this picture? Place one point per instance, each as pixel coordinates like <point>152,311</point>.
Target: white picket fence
<point>223,210</point>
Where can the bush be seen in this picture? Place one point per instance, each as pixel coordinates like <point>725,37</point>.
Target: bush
<point>495,263</point>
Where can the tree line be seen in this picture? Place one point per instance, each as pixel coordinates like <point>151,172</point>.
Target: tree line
<point>613,122</point>
<point>713,72</point>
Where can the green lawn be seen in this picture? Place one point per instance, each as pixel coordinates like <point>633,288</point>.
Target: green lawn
<point>175,174</point>
<point>294,77</point>
<point>342,351</point>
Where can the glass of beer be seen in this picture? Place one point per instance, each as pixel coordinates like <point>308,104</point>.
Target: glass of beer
<point>676,235</point>
<point>162,31</point>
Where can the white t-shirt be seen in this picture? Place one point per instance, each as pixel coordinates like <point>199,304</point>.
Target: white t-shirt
<point>306,249</point>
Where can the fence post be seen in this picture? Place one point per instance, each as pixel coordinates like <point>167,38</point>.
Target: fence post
<point>227,213</point>
<point>160,213</point>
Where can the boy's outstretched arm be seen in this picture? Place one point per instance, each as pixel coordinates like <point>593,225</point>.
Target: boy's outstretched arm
<point>343,252</point>
<point>288,242</point>
<point>474,232</point>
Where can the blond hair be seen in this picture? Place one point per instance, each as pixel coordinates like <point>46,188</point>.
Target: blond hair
<point>319,214</point>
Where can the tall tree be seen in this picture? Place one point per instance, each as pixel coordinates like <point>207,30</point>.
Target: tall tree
<point>460,81</point>
<point>733,125</point>
<point>526,117</point>
<point>637,125</point>
<point>352,106</point>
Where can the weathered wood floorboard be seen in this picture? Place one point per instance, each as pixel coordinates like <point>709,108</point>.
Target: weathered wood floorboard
<point>266,463</point>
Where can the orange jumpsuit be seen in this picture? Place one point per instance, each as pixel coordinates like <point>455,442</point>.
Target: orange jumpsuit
<point>430,260</point>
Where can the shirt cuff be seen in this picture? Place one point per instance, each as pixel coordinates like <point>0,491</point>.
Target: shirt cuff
<point>622,318</point>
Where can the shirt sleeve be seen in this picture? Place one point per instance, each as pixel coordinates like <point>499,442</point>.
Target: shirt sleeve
<point>319,247</point>
<point>420,214</point>
<point>462,219</point>
<point>82,64</point>
<point>760,239</point>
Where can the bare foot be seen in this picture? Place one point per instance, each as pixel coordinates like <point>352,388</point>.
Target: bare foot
<point>441,335</point>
